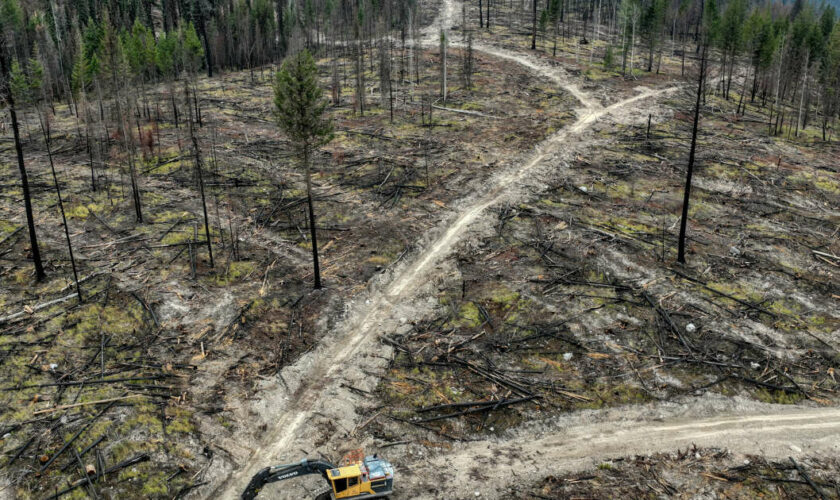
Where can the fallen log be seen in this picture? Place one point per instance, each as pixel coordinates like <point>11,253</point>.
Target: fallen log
<point>668,321</point>
<point>146,307</point>
<point>83,452</point>
<point>807,479</point>
<point>465,404</point>
<point>37,308</point>
<point>75,437</point>
<point>499,379</point>
<point>143,457</point>
<point>88,381</point>
<point>12,234</point>
<point>831,260</point>
<point>76,405</point>
<point>730,297</point>
<point>488,406</point>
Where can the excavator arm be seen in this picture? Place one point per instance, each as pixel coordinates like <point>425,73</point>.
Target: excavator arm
<point>282,472</point>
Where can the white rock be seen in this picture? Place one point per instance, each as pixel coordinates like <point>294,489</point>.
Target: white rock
<point>690,327</point>
<point>754,365</point>
<point>796,448</point>
<point>584,189</point>
<point>567,356</point>
<point>53,366</point>
<point>477,493</point>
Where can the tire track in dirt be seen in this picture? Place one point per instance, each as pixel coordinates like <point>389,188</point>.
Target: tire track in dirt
<point>776,434</point>
<point>444,245</point>
<point>336,355</point>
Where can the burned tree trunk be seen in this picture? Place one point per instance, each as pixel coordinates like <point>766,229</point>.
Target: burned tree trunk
<point>534,27</point>
<point>45,129</point>
<point>199,173</point>
<point>316,268</point>
<point>687,192</point>
<point>24,180</point>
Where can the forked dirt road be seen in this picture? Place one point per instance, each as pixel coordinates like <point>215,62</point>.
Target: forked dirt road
<point>318,376</point>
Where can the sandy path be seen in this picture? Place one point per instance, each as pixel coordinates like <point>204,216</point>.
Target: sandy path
<point>322,373</point>
<point>779,433</point>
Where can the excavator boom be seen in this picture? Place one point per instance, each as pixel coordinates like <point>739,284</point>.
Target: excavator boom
<point>286,471</point>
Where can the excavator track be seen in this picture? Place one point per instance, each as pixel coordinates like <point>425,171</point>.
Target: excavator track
<point>324,495</point>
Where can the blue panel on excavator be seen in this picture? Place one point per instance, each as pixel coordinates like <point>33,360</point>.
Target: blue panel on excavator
<point>380,473</point>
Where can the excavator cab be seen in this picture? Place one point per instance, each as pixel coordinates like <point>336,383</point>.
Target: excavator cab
<point>360,476</point>
<point>346,481</point>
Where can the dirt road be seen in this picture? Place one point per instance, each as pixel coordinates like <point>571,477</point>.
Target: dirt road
<point>525,459</point>
<point>316,379</point>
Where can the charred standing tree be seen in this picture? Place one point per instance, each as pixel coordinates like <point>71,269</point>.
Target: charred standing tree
<point>199,171</point>
<point>300,114</point>
<point>282,43</point>
<point>469,62</point>
<point>45,129</point>
<point>198,17</point>
<point>443,75</point>
<point>534,27</point>
<point>24,180</point>
<point>687,193</point>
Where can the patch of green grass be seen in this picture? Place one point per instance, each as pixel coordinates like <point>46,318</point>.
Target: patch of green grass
<point>380,260</point>
<point>469,316</point>
<point>90,319</point>
<point>175,237</point>
<point>604,395</point>
<point>181,422</point>
<point>828,185</point>
<point>732,288</point>
<point>504,296</point>
<point>155,485</point>
<point>780,307</point>
<point>22,275</point>
<point>552,203</point>
<point>165,168</point>
<point>7,226</point>
<point>777,397</point>
<point>147,417</point>
<point>598,74</point>
<point>76,212</point>
<point>170,216</point>
<point>236,270</point>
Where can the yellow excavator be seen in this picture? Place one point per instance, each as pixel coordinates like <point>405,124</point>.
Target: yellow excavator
<point>357,476</point>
